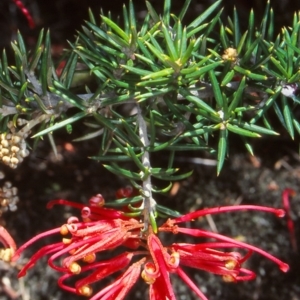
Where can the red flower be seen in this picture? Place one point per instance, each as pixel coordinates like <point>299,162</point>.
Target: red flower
<point>171,225</point>
<point>290,224</point>
<point>103,229</point>
<point>25,12</point>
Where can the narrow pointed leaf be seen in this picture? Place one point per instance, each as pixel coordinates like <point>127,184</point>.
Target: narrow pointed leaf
<point>222,149</point>
<point>115,28</point>
<point>244,132</point>
<point>202,17</point>
<point>117,170</point>
<point>288,117</point>
<point>166,14</point>
<point>217,91</point>
<point>254,128</point>
<point>61,124</point>
<point>238,95</point>
<point>168,212</point>
<point>173,177</point>
<point>184,9</point>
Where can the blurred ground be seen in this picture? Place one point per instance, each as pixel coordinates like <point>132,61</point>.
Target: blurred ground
<point>73,176</point>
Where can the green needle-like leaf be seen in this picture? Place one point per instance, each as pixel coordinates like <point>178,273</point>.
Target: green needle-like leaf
<point>124,201</point>
<point>116,28</point>
<point>68,72</point>
<point>167,211</point>
<point>237,32</point>
<point>238,95</point>
<point>73,99</point>
<point>222,149</point>
<point>288,117</point>
<point>163,176</point>
<point>192,27</point>
<point>169,43</point>
<point>249,74</point>
<point>166,14</point>
<point>197,101</point>
<point>61,124</point>
<point>254,128</point>
<point>162,73</point>
<point>46,64</point>
<point>184,9</point>
<point>222,104</point>
<point>152,12</point>
<point>117,170</point>
<point>202,70</point>
<point>135,158</point>
<point>244,132</point>
<point>132,135</point>
<point>188,52</point>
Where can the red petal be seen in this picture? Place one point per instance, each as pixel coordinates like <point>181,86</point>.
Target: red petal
<point>202,233</point>
<point>215,210</point>
<point>120,288</point>
<point>104,268</point>
<point>34,239</point>
<point>190,283</point>
<point>157,253</point>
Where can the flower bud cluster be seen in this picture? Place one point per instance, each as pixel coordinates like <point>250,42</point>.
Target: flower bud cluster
<point>13,146</point>
<point>231,54</point>
<point>8,197</point>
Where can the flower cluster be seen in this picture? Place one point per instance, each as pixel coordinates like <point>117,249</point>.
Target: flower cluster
<point>8,197</point>
<point>230,54</point>
<point>86,242</point>
<point>13,146</point>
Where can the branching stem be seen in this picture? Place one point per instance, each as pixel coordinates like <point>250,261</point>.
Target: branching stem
<point>33,123</point>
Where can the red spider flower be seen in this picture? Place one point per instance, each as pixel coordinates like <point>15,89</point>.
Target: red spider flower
<point>103,230</point>
<point>206,256</point>
<point>290,224</point>
<point>25,12</point>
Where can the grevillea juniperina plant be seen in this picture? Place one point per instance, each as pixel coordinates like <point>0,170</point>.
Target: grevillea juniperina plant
<point>159,84</point>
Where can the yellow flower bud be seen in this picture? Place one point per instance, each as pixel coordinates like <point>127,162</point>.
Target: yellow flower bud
<point>230,54</point>
<point>228,278</point>
<point>64,230</point>
<point>14,160</point>
<point>90,258</point>
<point>75,268</point>
<point>4,143</point>
<point>231,264</point>
<point>4,151</point>
<point>6,160</point>
<point>85,290</point>
<point>14,149</point>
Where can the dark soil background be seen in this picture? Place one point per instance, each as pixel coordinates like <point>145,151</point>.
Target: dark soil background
<point>71,175</point>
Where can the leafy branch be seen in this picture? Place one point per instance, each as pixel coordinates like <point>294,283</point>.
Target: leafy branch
<point>158,85</point>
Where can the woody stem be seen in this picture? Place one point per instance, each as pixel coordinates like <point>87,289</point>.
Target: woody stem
<point>148,202</point>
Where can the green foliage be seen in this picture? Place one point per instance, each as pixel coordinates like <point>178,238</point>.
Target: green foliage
<point>196,84</point>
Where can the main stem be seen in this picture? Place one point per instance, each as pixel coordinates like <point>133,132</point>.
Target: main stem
<point>149,203</point>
